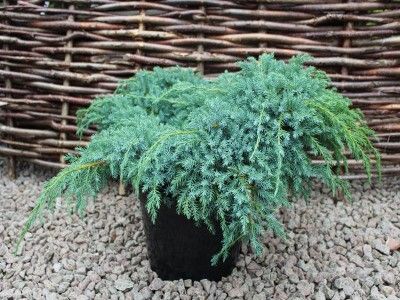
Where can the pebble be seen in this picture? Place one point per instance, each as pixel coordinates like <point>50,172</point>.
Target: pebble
<point>68,264</point>
<point>367,250</point>
<point>381,247</point>
<point>389,278</point>
<point>260,296</point>
<point>236,293</point>
<point>123,284</point>
<point>156,284</point>
<point>376,295</point>
<point>57,267</point>
<point>187,282</point>
<point>7,294</point>
<point>319,295</point>
<point>206,285</point>
<point>254,268</point>
<point>146,293</point>
<point>305,288</point>
<point>346,284</point>
<point>333,251</point>
<point>388,290</point>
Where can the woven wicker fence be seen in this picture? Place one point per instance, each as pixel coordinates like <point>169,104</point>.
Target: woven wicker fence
<point>56,56</point>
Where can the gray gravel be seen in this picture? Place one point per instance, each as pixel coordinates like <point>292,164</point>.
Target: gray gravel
<point>333,251</point>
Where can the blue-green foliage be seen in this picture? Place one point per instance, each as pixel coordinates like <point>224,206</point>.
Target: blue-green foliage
<point>168,94</point>
<point>230,151</point>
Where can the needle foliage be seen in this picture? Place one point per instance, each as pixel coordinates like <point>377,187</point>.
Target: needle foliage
<point>231,151</point>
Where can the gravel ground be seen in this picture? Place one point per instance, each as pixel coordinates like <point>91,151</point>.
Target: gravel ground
<point>333,251</point>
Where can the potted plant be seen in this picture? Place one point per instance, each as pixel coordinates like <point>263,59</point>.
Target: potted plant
<point>213,160</point>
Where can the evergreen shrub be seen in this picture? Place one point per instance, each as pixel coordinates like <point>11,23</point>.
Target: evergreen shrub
<point>231,151</point>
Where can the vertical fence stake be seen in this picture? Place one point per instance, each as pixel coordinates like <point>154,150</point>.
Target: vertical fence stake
<point>262,44</point>
<point>65,105</point>
<point>344,71</point>
<point>10,159</point>
<point>200,47</point>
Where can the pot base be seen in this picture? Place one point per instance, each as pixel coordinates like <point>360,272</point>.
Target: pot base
<point>178,249</point>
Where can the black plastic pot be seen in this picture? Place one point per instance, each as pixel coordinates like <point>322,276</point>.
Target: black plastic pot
<point>177,248</point>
